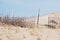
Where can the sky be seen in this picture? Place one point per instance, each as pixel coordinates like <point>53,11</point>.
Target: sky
<point>27,8</point>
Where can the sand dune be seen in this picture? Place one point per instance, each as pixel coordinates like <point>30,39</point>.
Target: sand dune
<point>10,32</point>
<point>44,19</point>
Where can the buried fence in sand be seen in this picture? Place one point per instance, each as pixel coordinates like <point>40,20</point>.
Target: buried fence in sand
<point>53,22</point>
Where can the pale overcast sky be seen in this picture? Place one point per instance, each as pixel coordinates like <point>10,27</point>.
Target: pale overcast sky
<point>28,8</point>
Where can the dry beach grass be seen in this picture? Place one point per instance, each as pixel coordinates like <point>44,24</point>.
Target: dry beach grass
<point>14,32</point>
<point>8,32</point>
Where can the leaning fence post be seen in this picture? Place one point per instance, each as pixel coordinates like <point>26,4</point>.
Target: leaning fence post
<point>38,18</point>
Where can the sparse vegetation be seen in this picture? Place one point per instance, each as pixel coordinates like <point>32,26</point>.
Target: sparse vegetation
<point>13,31</point>
<point>15,21</point>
